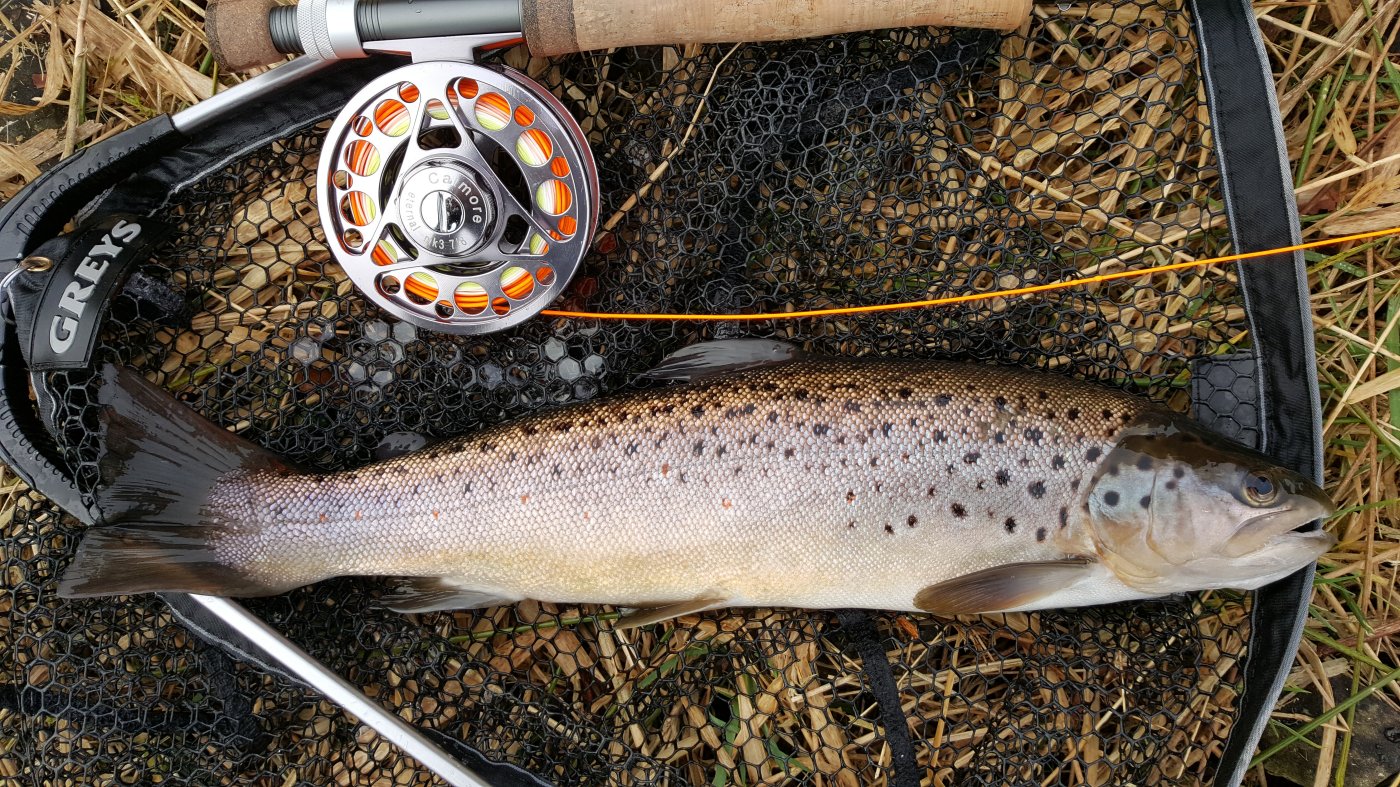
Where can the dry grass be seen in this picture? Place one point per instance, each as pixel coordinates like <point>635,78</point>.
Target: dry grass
<point>1339,96</point>
<point>1339,90</point>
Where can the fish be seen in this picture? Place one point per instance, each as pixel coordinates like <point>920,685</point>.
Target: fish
<point>747,474</point>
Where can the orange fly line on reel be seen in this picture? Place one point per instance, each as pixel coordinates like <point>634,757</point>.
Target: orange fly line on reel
<point>977,296</point>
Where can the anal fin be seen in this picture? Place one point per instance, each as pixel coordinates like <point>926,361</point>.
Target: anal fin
<point>645,616</point>
<point>1002,588</point>
<point>432,594</point>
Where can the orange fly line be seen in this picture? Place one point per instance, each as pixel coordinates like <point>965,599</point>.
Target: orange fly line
<point>977,296</point>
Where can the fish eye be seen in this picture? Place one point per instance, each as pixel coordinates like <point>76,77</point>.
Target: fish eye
<point>1260,488</point>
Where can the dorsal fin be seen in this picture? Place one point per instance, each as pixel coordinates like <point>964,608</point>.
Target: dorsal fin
<point>708,359</point>
<point>396,444</point>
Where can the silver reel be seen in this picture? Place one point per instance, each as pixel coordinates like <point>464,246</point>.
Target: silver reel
<point>458,197</point>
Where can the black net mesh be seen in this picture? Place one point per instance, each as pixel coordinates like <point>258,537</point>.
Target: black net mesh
<point>860,169</point>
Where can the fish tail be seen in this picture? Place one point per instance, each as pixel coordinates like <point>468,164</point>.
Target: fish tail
<point>161,463</point>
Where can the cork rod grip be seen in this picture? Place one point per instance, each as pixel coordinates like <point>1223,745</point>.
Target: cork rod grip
<point>555,27</point>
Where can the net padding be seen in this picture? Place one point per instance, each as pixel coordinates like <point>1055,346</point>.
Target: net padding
<point>860,169</point>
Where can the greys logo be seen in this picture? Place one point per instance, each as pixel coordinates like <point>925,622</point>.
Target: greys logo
<point>74,301</point>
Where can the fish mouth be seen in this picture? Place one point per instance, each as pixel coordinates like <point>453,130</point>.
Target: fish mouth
<point>1281,525</point>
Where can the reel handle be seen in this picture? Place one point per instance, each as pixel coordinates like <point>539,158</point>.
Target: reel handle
<point>248,33</point>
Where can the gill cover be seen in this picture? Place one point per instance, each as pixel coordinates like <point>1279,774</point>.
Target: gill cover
<point>1174,507</point>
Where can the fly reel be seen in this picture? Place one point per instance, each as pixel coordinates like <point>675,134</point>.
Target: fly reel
<point>458,197</point>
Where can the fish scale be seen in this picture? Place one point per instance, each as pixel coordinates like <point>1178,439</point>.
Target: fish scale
<point>818,484</point>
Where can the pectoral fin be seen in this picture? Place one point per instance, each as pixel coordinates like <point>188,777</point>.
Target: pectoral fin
<point>1003,587</point>
<point>431,594</point>
<point>646,616</point>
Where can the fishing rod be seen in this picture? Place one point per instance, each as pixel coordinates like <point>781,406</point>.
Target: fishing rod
<point>462,197</point>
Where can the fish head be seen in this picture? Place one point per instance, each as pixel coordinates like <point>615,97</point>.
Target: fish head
<point>1174,508</point>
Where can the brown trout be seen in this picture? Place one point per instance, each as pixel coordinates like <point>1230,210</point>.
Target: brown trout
<point>767,479</point>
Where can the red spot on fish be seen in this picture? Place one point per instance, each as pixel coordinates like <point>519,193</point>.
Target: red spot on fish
<point>435,514</point>
<point>727,503</point>
<point>666,468</point>
<point>357,515</point>
<point>586,516</point>
<point>323,517</point>
<point>524,499</point>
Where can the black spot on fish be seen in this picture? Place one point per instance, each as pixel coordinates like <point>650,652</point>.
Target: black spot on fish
<point>905,393</point>
<point>632,448</point>
<point>940,436</point>
<point>721,451</point>
<point>1144,463</point>
<point>851,525</point>
<point>1107,414</point>
<point>699,447</point>
<point>788,453</point>
<point>1035,435</point>
<point>1074,485</point>
<point>852,407</point>
<point>971,457</point>
<point>1064,517</point>
<point>1146,501</point>
<point>912,520</point>
<point>820,429</point>
<point>1010,524</point>
<point>770,387</point>
<point>1000,402</point>
<point>531,430</point>
<point>1072,413</point>
<point>770,445</point>
<point>1093,454</point>
<point>801,394</point>
<point>967,411</point>
<point>1170,485</point>
<point>1110,498</point>
<point>959,511</point>
<point>1178,472</point>
<point>1037,489</point>
<point>1042,395</point>
<point>889,529</point>
<point>850,495</point>
<point>773,417</point>
<point>932,491</point>
<point>874,462</point>
<point>942,400</point>
<point>886,428</point>
<point>1003,477</point>
<point>1040,534</point>
<point>1058,462</point>
<point>1113,469</point>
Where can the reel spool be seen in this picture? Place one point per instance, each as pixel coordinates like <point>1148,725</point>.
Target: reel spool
<point>458,197</point>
